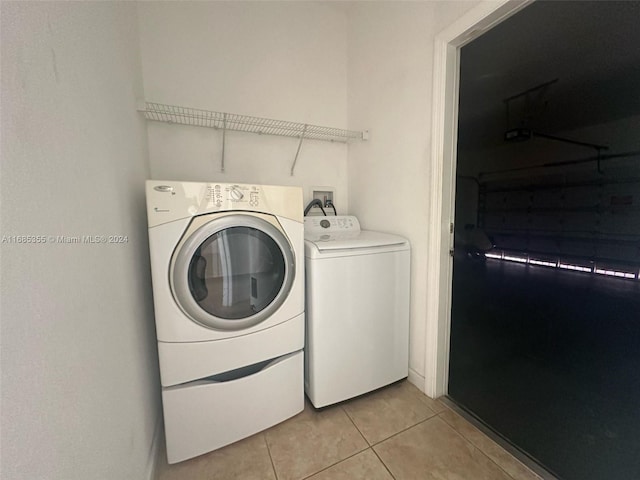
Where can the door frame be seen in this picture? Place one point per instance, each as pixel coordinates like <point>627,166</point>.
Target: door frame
<point>444,136</point>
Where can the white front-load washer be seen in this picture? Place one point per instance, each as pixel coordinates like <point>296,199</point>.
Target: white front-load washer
<point>227,265</point>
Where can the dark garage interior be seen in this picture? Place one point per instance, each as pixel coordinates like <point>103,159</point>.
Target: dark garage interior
<point>545,336</point>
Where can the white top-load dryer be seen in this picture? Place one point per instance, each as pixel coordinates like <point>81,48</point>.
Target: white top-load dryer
<point>357,307</point>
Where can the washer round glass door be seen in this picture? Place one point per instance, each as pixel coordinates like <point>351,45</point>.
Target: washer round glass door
<point>233,272</point>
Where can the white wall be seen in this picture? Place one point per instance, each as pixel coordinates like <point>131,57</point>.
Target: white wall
<point>362,65</point>
<point>80,383</point>
<point>390,88</point>
<point>280,60</point>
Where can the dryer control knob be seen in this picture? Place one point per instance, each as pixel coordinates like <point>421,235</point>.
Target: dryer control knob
<point>236,194</point>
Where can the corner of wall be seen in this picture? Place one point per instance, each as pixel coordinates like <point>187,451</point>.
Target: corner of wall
<point>416,379</point>
<point>155,451</point>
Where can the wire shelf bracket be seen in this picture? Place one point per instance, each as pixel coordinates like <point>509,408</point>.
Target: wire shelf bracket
<point>243,123</point>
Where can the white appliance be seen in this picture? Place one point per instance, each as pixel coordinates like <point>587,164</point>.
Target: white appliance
<point>228,289</point>
<point>357,306</point>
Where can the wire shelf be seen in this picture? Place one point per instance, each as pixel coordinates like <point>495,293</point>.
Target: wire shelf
<point>244,123</point>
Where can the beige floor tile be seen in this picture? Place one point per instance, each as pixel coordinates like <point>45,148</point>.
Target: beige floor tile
<point>495,452</point>
<point>363,466</point>
<point>388,411</point>
<point>247,459</point>
<point>441,406</point>
<point>311,441</point>
<point>434,450</point>
<point>436,405</point>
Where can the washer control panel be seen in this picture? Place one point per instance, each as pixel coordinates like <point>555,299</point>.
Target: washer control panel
<point>318,225</point>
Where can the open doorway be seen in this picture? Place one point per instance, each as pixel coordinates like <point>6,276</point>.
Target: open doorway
<point>545,296</point>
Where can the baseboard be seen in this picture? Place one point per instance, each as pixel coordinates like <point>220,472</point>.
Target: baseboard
<point>154,451</point>
<point>416,379</point>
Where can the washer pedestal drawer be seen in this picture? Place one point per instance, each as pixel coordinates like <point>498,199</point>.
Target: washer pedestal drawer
<point>207,414</point>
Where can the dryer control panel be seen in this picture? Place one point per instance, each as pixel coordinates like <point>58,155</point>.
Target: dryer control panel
<point>169,200</point>
<point>219,194</point>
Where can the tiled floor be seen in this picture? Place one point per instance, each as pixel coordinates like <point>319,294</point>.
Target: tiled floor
<point>393,433</point>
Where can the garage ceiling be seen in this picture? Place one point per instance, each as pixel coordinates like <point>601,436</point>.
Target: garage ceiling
<point>592,48</point>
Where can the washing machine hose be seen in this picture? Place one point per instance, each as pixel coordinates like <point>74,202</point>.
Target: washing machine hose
<point>317,202</point>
